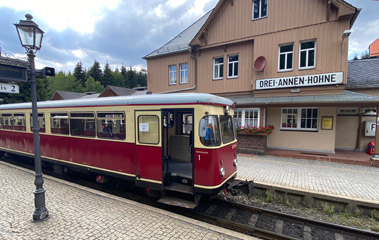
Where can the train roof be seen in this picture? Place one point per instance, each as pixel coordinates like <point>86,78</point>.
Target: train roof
<point>150,99</point>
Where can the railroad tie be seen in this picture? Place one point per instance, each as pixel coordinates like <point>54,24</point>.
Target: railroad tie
<point>230,214</point>
<point>307,233</point>
<point>210,209</point>
<point>279,226</point>
<point>253,220</point>
<point>338,236</point>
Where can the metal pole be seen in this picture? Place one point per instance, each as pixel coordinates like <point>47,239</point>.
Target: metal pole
<point>40,212</point>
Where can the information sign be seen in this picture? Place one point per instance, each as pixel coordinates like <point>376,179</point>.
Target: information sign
<point>13,73</point>
<point>9,88</point>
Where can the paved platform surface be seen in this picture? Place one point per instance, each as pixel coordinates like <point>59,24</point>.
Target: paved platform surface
<point>77,212</point>
<point>328,178</point>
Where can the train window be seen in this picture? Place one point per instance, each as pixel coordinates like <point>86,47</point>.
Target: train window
<point>148,129</point>
<point>7,121</point>
<point>19,122</point>
<point>227,129</point>
<point>82,124</point>
<point>186,123</point>
<point>212,132</point>
<point>59,123</point>
<point>111,125</point>
<point>41,122</point>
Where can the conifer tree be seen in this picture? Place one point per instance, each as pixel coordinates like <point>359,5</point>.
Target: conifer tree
<point>117,78</point>
<point>131,77</point>
<point>125,81</point>
<point>107,78</point>
<point>141,79</point>
<point>95,71</point>
<point>79,73</point>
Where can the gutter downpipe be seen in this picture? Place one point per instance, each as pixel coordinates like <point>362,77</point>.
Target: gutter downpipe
<point>193,56</point>
<point>358,143</point>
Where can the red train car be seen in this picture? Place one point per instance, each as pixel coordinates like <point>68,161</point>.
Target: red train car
<point>170,143</point>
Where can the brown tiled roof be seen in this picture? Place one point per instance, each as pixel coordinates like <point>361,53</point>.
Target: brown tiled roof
<point>120,91</point>
<point>63,95</point>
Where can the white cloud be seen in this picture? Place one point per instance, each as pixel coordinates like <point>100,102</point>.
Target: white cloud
<point>198,7</point>
<point>159,12</point>
<point>78,53</point>
<point>80,16</point>
<point>175,3</point>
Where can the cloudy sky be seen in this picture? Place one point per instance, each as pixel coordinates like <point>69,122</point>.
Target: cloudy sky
<point>121,32</point>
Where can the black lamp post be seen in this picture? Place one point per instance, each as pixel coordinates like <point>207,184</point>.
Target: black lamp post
<point>31,39</point>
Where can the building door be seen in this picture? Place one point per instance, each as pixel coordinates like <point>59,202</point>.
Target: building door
<point>346,132</point>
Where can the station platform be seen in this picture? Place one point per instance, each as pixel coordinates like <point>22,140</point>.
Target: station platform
<point>77,212</point>
<point>339,180</point>
<point>340,156</point>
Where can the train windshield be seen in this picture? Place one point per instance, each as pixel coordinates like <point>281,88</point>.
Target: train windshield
<point>209,131</point>
<point>227,129</point>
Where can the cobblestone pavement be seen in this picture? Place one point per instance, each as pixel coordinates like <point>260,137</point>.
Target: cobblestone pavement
<point>351,181</point>
<point>77,212</point>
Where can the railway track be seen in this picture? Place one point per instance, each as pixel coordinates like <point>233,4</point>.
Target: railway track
<point>270,224</point>
<point>253,221</point>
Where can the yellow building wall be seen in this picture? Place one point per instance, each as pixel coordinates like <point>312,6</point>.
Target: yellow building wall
<point>320,141</point>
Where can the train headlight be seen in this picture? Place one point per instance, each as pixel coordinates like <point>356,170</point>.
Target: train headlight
<point>222,171</point>
<point>235,162</point>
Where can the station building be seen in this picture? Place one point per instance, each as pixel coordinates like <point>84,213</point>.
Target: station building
<point>284,63</point>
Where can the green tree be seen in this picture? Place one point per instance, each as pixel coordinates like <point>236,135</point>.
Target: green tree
<point>95,72</point>
<point>80,74</point>
<point>93,86</point>
<point>365,55</point>
<point>124,74</point>
<point>141,79</point>
<point>43,89</point>
<point>107,78</point>
<point>64,82</point>
<point>117,78</point>
<point>131,77</point>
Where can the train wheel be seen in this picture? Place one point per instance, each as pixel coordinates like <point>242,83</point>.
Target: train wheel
<point>154,194</point>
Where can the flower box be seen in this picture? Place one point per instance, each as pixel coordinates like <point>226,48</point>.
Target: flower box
<point>253,139</point>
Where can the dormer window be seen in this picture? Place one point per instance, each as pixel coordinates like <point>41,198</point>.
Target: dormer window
<point>259,9</point>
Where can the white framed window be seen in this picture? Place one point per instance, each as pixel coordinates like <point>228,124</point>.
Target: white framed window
<point>184,73</point>
<point>307,55</point>
<point>259,9</point>
<point>238,118</point>
<point>247,117</point>
<point>285,60</point>
<point>299,119</point>
<point>172,74</point>
<point>233,66</point>
<point>218,68</point>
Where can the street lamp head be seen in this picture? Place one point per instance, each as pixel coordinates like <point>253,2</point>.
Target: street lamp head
<point>29,33</point>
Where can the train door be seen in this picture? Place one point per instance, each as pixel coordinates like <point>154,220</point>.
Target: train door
<point>177,140</point>
<point>148,149</point>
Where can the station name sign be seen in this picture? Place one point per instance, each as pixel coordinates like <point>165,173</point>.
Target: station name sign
<point>300,81</point>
